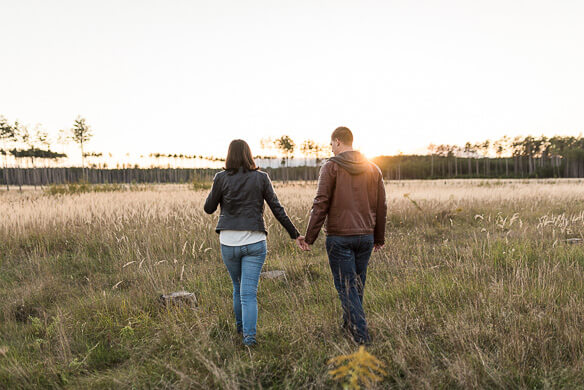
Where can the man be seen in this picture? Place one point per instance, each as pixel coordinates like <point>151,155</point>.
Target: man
<point>351,197</point>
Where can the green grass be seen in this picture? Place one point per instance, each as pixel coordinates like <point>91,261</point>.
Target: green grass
<point>454,301</point>
<point>201,185</point>
<point>80,188</point>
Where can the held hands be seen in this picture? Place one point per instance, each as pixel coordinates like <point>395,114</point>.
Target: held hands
<point>301,242</point>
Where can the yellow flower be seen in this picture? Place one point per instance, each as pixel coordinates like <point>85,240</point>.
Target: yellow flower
<point>359,367</point>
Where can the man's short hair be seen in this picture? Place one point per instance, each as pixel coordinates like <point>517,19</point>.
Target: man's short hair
<point>343,134</point>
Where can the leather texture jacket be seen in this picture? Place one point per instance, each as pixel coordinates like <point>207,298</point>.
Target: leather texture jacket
<point>351,197</point>
<point>241,196</point>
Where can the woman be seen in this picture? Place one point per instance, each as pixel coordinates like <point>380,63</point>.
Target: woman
<point>241,190</point>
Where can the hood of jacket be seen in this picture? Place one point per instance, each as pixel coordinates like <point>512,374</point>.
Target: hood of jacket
<point>353,162</point>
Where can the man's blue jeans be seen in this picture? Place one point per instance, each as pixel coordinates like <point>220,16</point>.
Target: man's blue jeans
<point>348,259</point>
<point>244,264</point>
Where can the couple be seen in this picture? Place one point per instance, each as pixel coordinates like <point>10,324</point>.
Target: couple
<point>350,195</point>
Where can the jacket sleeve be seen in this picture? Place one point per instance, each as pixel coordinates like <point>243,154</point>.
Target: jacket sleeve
<point>277,209</point>
<point>380,214</point>
<point>322,200</point>
<point>214,197</point>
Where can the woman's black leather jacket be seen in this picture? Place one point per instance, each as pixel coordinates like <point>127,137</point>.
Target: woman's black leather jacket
<point>241,196</point>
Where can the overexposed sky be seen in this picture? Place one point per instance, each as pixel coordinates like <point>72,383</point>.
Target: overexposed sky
<point>188,76</point>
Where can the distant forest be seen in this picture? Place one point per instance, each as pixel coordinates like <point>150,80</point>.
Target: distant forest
<point>27,159</point>
<point>521,157</point>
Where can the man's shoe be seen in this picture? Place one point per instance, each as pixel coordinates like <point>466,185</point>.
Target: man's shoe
<point>366,341</point>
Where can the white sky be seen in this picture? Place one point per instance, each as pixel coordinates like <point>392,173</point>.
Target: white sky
<point>189,76</point>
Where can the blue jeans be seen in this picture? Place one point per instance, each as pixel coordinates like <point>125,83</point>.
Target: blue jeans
<point>244,264</point>
<point>348,259</point>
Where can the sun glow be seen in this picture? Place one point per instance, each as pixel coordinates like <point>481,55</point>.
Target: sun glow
<point>186,78</point>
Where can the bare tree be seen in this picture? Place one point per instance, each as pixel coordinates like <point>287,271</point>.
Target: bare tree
<point>7,135</point>
<point>286,146</point>
<point>442,151</point>
<point>267,145</point>
<point>432,149</point>
<point>485,146</point>
<point>17,138</point>
<point>63,139</point>
<point>454,151</point>
<point>478,147</point>
<point>310,148</point>
<point>81,134</point>
<point>502,146</point>
<point>43,142</point>
<point>25,137</point>
<point>37,140</point>
<point>469,151</point>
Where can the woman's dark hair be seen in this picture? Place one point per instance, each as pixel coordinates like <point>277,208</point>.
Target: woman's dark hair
<point>239,156</point>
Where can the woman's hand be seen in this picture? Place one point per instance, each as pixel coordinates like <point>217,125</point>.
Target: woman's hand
<point>301,242</point>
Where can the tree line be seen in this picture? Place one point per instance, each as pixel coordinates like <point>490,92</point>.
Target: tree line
<point>28,158</point>
<point>33,162</point>
<point>525,157</point>
<point>29,146</point>
<point>506,157</point>
<point>519,157</point>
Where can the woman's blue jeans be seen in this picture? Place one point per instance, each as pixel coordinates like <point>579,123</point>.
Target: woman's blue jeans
<point>244,264</point>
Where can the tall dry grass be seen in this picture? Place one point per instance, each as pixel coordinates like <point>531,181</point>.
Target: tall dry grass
<point>477,288</point>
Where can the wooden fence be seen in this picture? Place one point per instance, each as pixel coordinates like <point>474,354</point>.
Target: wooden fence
<point>48,176</point>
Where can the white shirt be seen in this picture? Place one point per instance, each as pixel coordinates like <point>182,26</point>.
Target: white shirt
<point>240,237</point>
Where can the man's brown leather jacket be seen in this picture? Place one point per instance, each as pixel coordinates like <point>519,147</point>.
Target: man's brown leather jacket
<point>351,197</point>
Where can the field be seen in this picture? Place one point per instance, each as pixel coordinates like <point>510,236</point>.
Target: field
<point>477,287</point>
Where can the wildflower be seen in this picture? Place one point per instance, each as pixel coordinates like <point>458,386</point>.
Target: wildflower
<point>359,367</point>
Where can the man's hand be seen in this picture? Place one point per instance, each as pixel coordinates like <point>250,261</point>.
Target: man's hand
<point>378,247</point>
<point>301,242</point>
